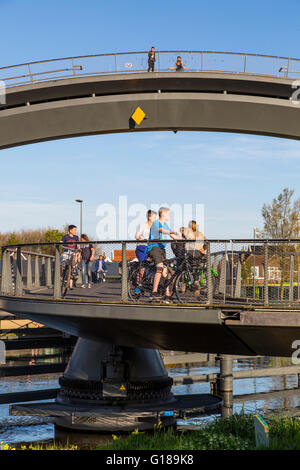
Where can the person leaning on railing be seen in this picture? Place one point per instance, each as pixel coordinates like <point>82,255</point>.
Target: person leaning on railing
<point>179,67</point>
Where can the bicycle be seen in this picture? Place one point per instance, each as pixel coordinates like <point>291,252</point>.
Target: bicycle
<point>68,269</point>
<point>186,278</point>
<point>192,282</point>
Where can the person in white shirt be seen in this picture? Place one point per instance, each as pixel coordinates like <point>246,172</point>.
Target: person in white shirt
<point>142,234</point>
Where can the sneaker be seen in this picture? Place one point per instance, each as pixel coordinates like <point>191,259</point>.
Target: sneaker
<point>167,299</point>
<point>155,296</point>
<point>83,286</point>
<point>89,286</point>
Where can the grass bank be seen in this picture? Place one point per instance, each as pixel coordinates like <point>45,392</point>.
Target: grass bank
<point>234,433</point>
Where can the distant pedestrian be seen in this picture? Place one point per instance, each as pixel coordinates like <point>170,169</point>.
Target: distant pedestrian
<point>87,256</point>
<point>151,59</point>
<point>101,269</point>
<point>179,67</point>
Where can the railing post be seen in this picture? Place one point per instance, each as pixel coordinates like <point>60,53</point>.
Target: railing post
<point>209,276</point>
<point>4,272</point>
<point>116,63</point>
<point>57,286</point>
<point>291,289</point>
<point>29,273</point>
<point>222,283</point>
<point>238,281</point>
<point>9,268</point>
<point>124,274</point>
<point>288,67</point>
<point>245,63</point>
<point>266,280</point>
<point>36,272</point>
<point>158,61</point>
<point>48,273</point>
<point>30,73</point>
<point>19,282</point>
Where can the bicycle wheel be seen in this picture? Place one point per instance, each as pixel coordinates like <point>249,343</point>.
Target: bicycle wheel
<point>66,278</point>
<point>134,291</point>
<point>187,287</point>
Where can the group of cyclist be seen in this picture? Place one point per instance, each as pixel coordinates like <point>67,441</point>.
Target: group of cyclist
<point>157,229</point>
<point>151,246</point>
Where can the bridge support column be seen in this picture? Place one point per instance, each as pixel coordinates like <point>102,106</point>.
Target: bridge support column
<point>225,377</point>
<point>113,388</point>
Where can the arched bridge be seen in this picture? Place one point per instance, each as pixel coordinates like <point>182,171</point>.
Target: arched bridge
<point>81,96</point>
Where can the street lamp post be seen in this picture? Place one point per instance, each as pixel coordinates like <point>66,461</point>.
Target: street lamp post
<point>80,202</point>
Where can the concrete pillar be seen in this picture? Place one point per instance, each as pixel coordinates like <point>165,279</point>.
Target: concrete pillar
<point>225,379</point>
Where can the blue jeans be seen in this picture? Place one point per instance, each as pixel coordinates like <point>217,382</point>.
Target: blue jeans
<point>86,268</point>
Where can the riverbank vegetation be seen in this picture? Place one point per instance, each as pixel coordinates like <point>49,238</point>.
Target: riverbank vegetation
<point>233,433</point>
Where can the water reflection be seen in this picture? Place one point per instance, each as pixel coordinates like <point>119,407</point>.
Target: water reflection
<point>251,395</point>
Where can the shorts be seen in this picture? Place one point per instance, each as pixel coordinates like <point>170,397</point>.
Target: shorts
<point>141,253</point>
<point>158,255</point>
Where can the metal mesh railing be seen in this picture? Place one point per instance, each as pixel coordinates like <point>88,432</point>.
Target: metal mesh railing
<point>230,272</point>
<point>135,62</point>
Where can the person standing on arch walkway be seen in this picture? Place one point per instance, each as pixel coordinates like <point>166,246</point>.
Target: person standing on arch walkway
<point>151,59</point>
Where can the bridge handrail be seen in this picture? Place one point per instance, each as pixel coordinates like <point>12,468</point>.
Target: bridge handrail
<point>225,258</point>
<point>132,241</point>
<point>284,68</point>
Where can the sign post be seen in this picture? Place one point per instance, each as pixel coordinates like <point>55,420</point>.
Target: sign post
<point>261,431</point>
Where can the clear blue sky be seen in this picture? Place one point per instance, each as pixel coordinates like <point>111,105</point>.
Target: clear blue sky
<point>232,175</point>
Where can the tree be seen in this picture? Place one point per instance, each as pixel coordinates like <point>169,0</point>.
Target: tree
<point>282,221</point>
<point>282,217</point>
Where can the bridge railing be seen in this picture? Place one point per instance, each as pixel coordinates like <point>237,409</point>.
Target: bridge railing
<point>231,272</point>
<point>135,62</point>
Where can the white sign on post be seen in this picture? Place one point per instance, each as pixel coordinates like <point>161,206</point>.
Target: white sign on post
<point>261,431</point>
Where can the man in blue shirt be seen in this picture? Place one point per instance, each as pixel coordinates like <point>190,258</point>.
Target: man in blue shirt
<point>156,250</point>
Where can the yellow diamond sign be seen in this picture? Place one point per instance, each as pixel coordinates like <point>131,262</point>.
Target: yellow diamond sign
<point>138,115</point>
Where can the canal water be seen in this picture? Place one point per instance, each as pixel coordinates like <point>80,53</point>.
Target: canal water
<point>268,395</point>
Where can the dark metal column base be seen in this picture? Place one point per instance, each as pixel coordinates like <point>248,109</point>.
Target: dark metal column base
<point>108,388</point>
